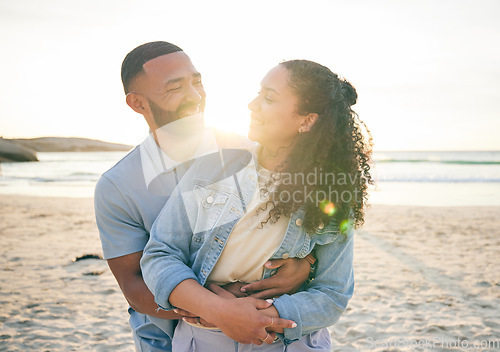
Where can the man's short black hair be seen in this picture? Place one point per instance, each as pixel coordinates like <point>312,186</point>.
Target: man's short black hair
<point>133,62</point>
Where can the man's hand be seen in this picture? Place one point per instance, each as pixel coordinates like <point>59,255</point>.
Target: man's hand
<point>193,318</point>
<point>291,274</point>
<point>234,288</point>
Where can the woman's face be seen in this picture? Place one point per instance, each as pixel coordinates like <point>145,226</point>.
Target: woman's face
<point>274,118</point>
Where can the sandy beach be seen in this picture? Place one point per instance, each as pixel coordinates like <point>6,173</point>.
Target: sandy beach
<point>425,276</point>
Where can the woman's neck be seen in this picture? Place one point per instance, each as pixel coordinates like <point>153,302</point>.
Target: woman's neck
<point>271,159</point>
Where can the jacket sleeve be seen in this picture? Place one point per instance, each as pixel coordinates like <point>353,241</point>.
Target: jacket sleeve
<point>325,298</point>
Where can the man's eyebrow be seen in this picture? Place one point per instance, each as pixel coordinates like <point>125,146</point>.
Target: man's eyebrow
<point>175,80</point>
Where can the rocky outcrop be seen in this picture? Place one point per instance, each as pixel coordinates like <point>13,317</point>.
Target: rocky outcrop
<point>10,150</point>
<point>25,149</point>
<point>61,144</point>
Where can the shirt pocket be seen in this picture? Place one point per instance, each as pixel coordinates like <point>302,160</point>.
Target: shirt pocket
<point>321,237</point>
<point>212,200</point>
<point>326,235</point>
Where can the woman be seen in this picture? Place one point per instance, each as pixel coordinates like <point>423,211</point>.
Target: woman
<point>303,191</point>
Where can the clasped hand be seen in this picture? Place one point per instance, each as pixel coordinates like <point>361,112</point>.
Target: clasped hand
<point>245,316</point>
<point>244,319</point>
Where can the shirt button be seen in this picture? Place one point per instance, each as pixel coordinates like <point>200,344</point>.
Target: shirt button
<point>285,256</point>
<point>299,222</point>
<point>210,199</point>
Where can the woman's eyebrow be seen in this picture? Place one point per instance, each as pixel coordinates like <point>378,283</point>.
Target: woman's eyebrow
<point>270,89</point>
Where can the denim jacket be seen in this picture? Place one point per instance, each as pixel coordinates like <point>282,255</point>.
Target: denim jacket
<point>192,229</point>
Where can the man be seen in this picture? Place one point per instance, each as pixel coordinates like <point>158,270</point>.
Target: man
<point>160,83</point>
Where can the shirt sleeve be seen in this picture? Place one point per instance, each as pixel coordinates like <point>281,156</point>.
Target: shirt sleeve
<point>324,299</point>
<point>120,233</point>
<point>164,263</point>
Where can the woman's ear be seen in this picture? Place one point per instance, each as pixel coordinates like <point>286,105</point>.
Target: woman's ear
<point>309,121</point>
<point>136,102</point>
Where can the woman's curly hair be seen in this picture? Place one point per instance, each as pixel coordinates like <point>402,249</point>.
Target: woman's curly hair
<point>337,147</point>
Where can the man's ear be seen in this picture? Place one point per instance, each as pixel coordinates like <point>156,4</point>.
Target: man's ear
<point>137,103</point>
<point>309,121</point>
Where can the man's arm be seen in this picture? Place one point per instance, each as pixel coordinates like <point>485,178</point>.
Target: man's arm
<point>120,233</point>
<point>127,272</point>
<point>291,274</point>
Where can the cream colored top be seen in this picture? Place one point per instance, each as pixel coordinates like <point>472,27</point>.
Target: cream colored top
<point>251,243</point>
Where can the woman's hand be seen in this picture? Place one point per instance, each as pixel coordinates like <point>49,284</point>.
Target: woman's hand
<point>269,311</point>
<point>240,319</point>
<point>244,320</point>
<point>226,292</point>
<point>291,274</point>
<point>272,312</point>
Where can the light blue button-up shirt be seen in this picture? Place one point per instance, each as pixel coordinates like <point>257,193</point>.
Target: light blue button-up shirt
<point>191,231</point>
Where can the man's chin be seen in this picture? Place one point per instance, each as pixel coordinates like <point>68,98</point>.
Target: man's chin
<point>185,114</point>
<point>184,127</point>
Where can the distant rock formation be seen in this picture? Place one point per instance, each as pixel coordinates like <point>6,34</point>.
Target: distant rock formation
<point>25,149</point>
<point>61,144</point>
<point>10,150</point>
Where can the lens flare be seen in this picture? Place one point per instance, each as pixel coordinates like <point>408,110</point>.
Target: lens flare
<point>345,225</point>
<point>327,207</point>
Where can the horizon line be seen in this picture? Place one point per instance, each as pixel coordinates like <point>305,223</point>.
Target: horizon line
<point>375,150</point>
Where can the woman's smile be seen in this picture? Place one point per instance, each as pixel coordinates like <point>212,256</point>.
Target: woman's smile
<point>254,121</point>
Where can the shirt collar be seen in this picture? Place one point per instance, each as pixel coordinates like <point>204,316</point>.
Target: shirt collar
<point>155,161</point>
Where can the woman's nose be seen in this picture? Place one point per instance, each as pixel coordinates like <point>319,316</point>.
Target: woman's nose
<point>253,105</point>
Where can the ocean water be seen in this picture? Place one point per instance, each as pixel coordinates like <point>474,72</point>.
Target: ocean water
<point>451,178</point>
<point>402,178</point>
<point>72,174</point>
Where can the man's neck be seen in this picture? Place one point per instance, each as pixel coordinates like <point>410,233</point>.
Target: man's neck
<point>178,149</point>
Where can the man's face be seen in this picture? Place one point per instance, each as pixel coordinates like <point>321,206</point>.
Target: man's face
<point>172,87</point>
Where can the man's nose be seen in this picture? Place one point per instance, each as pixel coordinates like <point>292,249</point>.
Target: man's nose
<point>193,94</point>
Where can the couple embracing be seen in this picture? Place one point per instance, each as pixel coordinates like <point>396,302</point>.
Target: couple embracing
<point>224,244</point>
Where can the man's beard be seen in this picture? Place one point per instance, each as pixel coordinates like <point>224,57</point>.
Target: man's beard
<point>163,117</point>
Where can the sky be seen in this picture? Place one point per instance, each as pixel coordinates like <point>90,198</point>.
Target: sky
<point>427,73</point>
